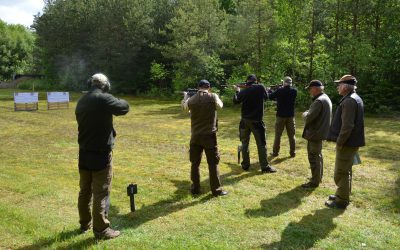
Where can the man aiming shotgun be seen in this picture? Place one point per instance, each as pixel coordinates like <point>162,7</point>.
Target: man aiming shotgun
<point>252,98</point>
<point>203,107</point>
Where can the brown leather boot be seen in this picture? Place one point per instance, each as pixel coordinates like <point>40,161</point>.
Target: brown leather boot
<point>107,234</point>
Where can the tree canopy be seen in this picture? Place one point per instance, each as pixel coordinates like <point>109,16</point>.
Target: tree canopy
<point>16,50</point>
<point>134,41</point>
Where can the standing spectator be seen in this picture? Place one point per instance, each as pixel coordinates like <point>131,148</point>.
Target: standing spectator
<point>94,114</point>
<point>285,99</point>
<point>347,130</point>
<point>203,109</point>
<point>252,97</point>
<point>316,128</point>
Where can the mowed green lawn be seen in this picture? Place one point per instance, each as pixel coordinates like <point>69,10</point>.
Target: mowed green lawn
<point>39,186</point>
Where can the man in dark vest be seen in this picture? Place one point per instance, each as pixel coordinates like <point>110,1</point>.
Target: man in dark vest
<point>316,127</point>
<point>285,101</point>
<point>347,130</point>
<point>94,114</point>
<point>252,96</point>
<point>203,114</point>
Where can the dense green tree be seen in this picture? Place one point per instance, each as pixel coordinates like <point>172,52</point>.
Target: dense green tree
<point>99,35</point>
<point>252,38</point>
<point>198,33</point>
<point>224,40</point>
<point>16,50</point>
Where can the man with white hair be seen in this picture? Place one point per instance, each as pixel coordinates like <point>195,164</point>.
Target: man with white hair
<point>285,101</point>
<point>347,130</point>
<point>316,127</point>
<point>94,114</point>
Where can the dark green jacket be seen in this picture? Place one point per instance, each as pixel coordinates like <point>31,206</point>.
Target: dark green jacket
<point>318,119</point>
<point>94,113</point>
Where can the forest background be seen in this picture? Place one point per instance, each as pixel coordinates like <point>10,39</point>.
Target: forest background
<point>159,47</point>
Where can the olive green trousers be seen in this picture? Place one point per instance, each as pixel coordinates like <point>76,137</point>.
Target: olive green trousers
<point>342,176</point>
<point>280,124</point>
<point>95,187</point>
<point>316,160</point>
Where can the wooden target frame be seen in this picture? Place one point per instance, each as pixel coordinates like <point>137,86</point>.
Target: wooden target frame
<point>57,100</point>
<point>26,101</point>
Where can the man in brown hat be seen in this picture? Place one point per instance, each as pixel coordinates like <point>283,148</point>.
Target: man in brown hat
<point>203,109</point>
<point>347,130</point>
<point>316,128</point>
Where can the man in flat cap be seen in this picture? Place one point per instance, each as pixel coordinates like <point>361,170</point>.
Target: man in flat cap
<point>94,114</point>
<point>316,127</point>
<point>285,101</point>
<point>203,109</point>
<point>347,130</point>
<point>252,98</point>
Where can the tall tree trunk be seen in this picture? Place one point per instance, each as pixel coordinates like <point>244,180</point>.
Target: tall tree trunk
<point>336,41</point>
<point>377,25</point>
<point>259,32</point>
<point>353,64</point>
<point>312,42</point>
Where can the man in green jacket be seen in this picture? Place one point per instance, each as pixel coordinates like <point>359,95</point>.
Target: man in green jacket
<point>316,128</point>
<point>203,115</point>
<point>94,114</point>
<point>347,130</point>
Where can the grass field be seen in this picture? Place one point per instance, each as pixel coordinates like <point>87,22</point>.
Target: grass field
<point>39,186</point>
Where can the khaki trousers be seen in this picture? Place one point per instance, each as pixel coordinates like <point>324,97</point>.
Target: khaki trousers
<point>343,164</point>
<point>280,124</point>
<point>208,143</point>
<point>95,187</point>
<point>315,158</point>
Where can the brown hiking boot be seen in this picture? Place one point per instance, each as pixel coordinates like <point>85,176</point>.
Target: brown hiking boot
<point>107,234</point>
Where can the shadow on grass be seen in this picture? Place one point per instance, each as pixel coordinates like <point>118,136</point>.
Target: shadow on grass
<point>305,233</point>
<point>278,160</point>
<point>379,135</point>
<point>59,238</point>
<point>281,203</point>
<point>175,203</point>
<point>382,150</point>
<point>159,209</point>
<point>237,173</point>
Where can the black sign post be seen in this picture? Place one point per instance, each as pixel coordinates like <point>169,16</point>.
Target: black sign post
<point>132,190</point>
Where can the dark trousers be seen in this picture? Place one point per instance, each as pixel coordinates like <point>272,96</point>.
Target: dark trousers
<point>95,187</point>
<point>280,124</point>
<point>208,143</point>
<point>316,160</point>
<point>342,176</point>
<point>258,129</point>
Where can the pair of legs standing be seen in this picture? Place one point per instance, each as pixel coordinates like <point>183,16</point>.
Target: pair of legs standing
<point>316,160</point>
<point>94,194</point>
<point>208,143</point>
<point>246,128</point>
<point>343,174</point>
<point>280,124</point>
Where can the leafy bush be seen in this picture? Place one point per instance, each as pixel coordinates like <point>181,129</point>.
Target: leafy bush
<point>40,85</point>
